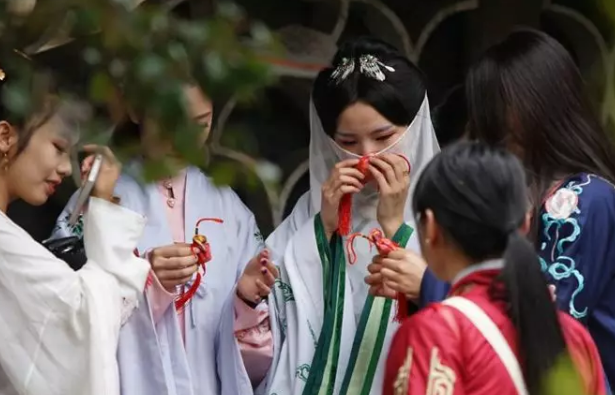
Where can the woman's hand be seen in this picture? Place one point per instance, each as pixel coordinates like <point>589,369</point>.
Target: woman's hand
<point>553,292</point>
<point>400,271</point>
<point>393,177</point>
<point>344,179</point>
<point>173,265</point>
<point>110,170</point>
<point>257,278</point>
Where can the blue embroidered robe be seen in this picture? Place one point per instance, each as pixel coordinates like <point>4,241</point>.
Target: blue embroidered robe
<point>578,255</point>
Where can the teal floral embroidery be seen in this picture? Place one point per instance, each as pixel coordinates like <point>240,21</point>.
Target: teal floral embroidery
<point>314,339</point>
<point>303,372</point>
<point>561,266</point>
<point>287,292</point>
<point>76,230</point>
<point>279,289</point>
<point>285,289</point>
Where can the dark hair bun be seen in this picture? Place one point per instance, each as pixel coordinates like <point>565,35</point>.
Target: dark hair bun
<point>397,98</point>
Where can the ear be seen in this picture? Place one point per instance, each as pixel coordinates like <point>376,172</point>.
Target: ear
<point>8,136</point>
<point>432,232</point>
<point>527,223</point>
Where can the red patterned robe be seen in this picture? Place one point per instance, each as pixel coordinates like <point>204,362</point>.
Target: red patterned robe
<point>439,351</point>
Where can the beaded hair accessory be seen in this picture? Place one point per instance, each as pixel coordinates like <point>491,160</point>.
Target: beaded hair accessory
<point>369,65</point>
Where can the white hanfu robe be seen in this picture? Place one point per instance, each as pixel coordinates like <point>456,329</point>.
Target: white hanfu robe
<point>59,328</point>
<point>330,336</point>
<point>152,356</point>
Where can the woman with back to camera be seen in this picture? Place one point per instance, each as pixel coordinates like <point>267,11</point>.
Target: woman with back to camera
<point>60,328</point>
<point>499,331</point>
<point>527,94</point>
<point>371,101</point>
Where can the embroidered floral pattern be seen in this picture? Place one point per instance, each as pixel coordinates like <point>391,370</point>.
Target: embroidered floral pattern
<point>561,228</point>
<point>259,330</point>
<point>287,291</point>
<point>76,230</point>
<point>280,308</point>
<point>314,338</point>
<point>562,204</point>
<point>303,372</point>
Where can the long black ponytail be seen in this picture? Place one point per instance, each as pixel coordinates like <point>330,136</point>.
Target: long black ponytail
<point>478,197</point>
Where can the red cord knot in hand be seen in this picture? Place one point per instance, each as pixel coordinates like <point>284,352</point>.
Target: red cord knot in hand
<point>384,247</point>
<point>344,224</point>
<point>202,250</point>
<point>345,208</point>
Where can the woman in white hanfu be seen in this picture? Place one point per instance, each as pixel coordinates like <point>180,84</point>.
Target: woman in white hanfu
<point>164,348</point>
<point>331,336</point>
<point>59,328</point>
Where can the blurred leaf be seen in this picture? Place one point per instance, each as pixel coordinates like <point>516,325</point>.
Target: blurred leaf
<point>223,173</point>
<point>101,87</point>
<point>150,54</point>
<point>563,379</point>
<point>17,100</point>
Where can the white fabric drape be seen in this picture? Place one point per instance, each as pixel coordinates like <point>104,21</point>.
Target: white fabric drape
<point>59,328</point>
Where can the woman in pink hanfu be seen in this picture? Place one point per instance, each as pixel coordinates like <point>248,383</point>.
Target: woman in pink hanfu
<point>166,348</point>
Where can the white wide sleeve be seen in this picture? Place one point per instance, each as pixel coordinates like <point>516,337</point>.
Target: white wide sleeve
<point>59,328</point>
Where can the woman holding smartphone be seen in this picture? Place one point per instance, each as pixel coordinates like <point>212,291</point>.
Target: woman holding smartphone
<point>59,328</point>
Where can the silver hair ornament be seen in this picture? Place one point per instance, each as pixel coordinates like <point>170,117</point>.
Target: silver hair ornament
<point>343,70</point>
<point>369,66</point>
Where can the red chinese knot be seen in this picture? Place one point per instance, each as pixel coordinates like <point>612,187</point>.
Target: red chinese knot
<point>384,247</point>
<point>344,224</point>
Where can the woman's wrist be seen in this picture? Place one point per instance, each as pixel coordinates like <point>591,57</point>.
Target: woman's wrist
<point>390,227</point>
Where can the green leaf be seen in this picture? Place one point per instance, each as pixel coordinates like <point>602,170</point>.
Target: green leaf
<point>101,87</point>
<point>563,379</point>
<point>148,53</point>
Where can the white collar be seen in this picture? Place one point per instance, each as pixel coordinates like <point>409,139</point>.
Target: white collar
<point>493,264</point>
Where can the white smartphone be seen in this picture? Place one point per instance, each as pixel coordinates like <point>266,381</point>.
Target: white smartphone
<point>86,190</point>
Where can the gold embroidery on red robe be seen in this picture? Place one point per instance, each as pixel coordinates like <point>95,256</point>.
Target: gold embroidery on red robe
<point>441,379</point>
<point>400,386</point>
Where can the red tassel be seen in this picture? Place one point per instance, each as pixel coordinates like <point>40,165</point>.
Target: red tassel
<point>186,296</point>
<point>384,246</point>
<point>402,307</point>
<point>200,247</point>
<point>345,215</point>
<point>344,222</point>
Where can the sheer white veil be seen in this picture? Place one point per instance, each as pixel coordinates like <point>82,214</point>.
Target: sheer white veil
<point>418,144</point>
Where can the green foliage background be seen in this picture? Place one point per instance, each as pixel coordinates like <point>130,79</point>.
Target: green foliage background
<point>148,52</point>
